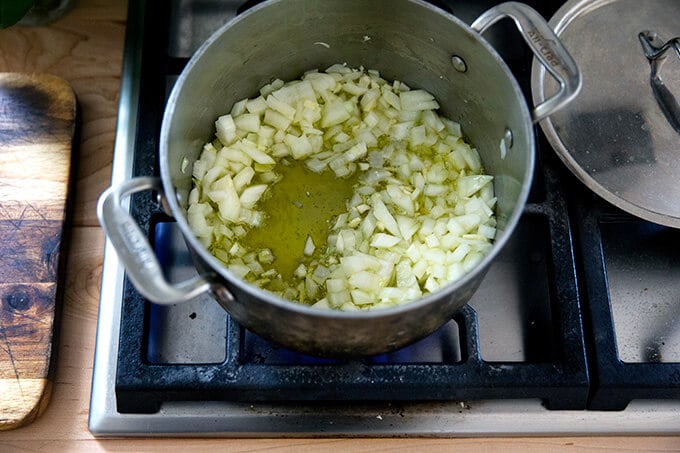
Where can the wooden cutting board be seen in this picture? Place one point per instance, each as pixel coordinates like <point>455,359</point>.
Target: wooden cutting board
<point>37,124</point>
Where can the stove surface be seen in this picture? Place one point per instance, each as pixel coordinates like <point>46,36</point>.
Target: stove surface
<point>584,340</point>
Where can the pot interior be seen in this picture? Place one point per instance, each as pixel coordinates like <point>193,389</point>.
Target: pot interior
<point>406,40</point>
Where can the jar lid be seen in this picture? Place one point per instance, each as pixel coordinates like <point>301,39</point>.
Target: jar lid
<point>621,135</point>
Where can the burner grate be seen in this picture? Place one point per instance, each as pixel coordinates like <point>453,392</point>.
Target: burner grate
<point>141,388</point>
<point>627,259</point>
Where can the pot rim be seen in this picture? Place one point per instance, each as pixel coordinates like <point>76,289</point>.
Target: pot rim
<point>218,268</point>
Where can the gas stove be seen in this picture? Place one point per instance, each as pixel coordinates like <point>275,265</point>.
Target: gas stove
<point>573,331</point>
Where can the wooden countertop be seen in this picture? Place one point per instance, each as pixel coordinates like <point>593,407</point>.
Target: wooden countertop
<point>86,49</point>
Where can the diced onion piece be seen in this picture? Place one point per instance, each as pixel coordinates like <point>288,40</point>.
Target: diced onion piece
<point>401,199</point>
<point>382,214</point>
<point>382,240</point>
<point>258,156</point>
<point>432,120</point>
<point>468,185</point>
<point>276,120</point>
<point>401,131</point>
<point>355,152</point>
<point>299,146</point>
<point>417,100</point>
<point>365,281</point>
<point>391,99</point>
<point>224,194</point>
<point>361,297</point>
<point>408,226</point>
<point>487,231</point>
<point>453,127</point>
<point>359,262</point>
<point>370,99</point>
<point>243,178</point>
<point>334,113</point>
<point>251,195</point>
<point>322,304</point>
<point>405,276</point>
<point>249,122</point>
<point>265,256</point>
<point>240,270</point>
<point>257,105</point>
<point>309,246</point>
<point>300,271</point>
<point>280,106</point>
<point>238,108</point>
<point>339,68</point>
<point>226,129</point>
<point>321,82</point>
<point>269,88</point>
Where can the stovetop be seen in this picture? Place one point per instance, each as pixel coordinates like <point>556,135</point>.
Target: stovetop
<point>571,332</point>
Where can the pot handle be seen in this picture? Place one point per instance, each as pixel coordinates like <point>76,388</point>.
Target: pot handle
<point>134,250</point>
<point>547,48</point>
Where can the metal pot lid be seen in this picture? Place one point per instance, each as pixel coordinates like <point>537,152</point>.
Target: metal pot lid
<point>621,135</point>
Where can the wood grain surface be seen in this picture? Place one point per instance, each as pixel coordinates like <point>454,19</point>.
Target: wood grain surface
<point>86,49</point>
<point>37,125</point>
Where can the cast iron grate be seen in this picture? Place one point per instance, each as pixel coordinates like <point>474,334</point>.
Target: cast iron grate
<point>641,249</point>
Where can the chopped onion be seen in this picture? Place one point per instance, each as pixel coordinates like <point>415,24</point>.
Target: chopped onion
<point>421,214</point>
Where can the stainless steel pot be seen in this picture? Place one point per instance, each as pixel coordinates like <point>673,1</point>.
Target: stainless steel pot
<point>408,40</point>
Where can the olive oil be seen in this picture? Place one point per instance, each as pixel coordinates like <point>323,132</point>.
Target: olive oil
<point>302,203</point>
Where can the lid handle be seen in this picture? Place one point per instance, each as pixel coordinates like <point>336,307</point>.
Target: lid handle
<point>547,48</point>
<point>664,60</point>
